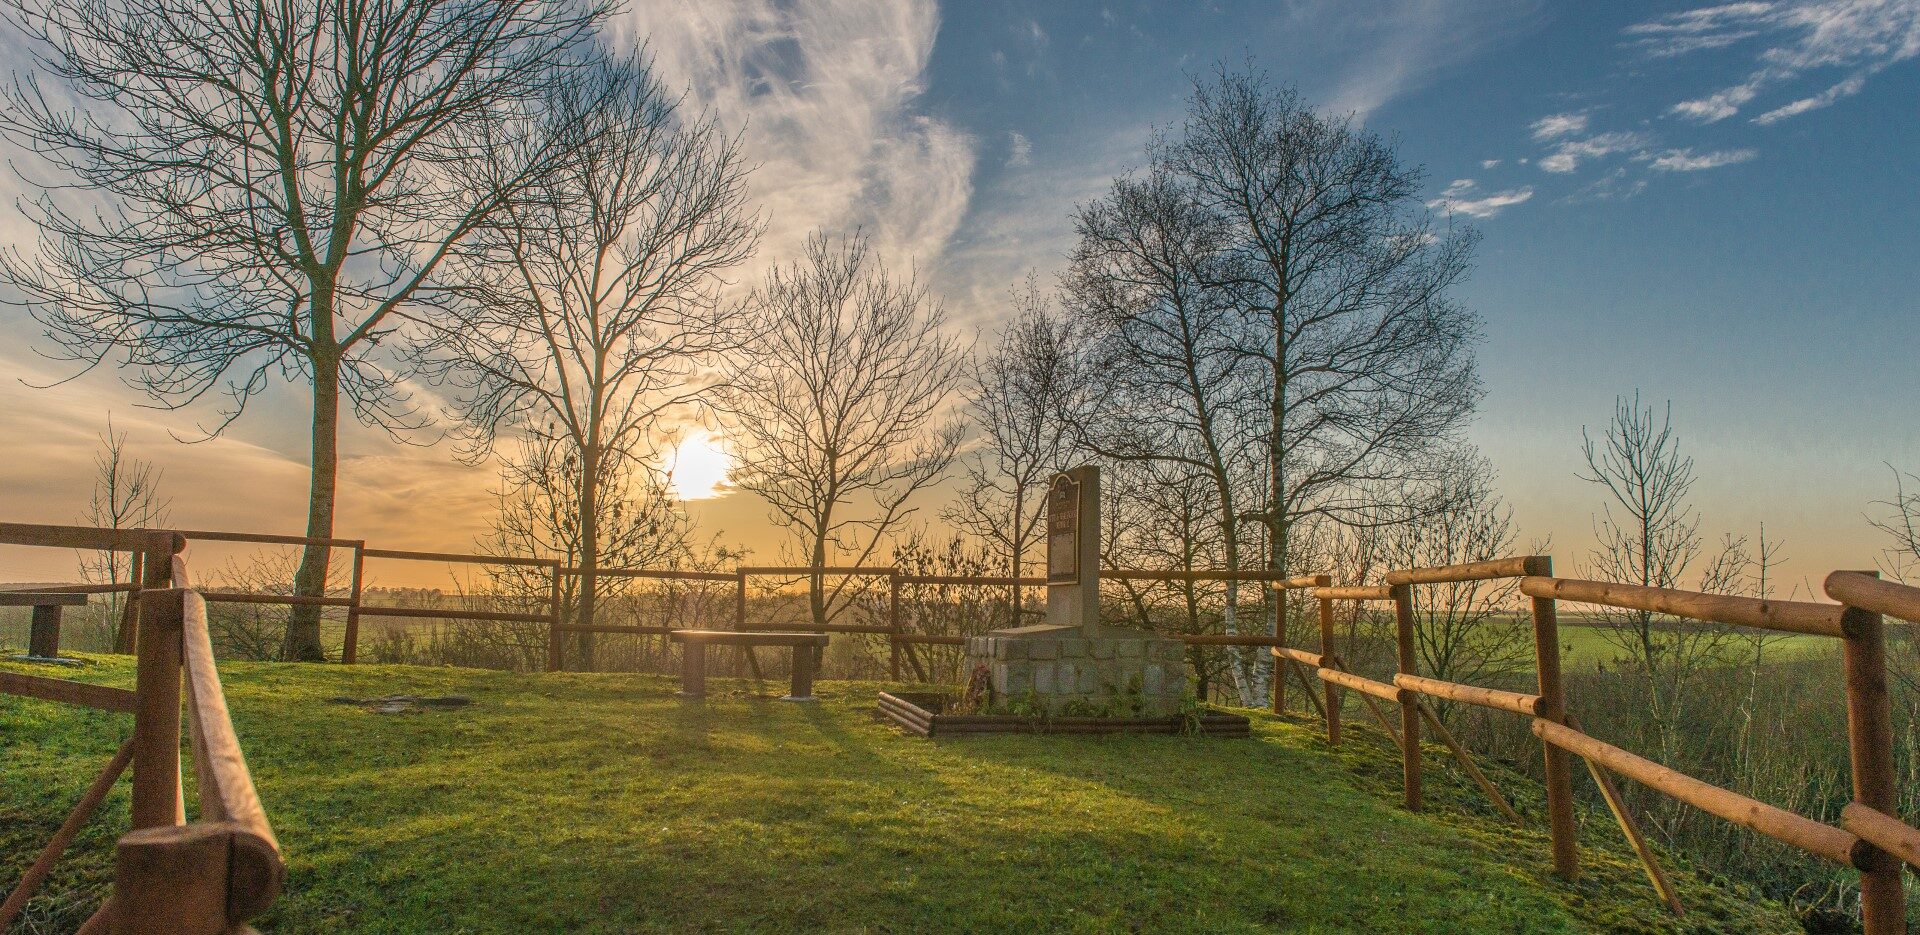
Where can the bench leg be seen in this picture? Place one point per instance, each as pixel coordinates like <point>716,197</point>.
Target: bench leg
<point>693,670</point>
<point>45,639</point>
<point>804,660</point>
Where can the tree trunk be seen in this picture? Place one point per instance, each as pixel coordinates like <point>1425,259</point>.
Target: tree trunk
<point>1017,538</point>
<point>302,643</point>
<point>589,549</point>
<point>1277,530</point>
<point>817,582</point>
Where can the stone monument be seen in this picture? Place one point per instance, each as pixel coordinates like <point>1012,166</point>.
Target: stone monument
<point>1072,664</point>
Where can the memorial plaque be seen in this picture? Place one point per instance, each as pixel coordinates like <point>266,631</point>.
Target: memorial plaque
<point>1063,531</point>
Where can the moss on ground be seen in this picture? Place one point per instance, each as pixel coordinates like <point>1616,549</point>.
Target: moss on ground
<point>602,803</point>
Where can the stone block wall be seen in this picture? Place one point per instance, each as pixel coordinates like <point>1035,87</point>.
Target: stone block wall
<point>1124,674</point>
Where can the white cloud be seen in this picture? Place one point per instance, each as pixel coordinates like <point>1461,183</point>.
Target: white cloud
<point>1717,106</point>
<point>1701,28</point>
<point>1555,126</point>
<point>1846,88</point>
<point>1686,160</point>
<point>1568,155</point>
<point>1463,196</point>
<point>1395,49</point>
<point>1019,149</point>
<point>1796,37</point>
<point>1489,163</point>
<point>826,93</point>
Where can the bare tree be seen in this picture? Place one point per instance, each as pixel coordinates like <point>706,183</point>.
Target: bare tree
<point>1649,535</point>
<point>1464,631</point>
<point>636,521</point>
<point>1901,523</point>
<point>267,191</point>
<point>126,495</point>
<point>1343,277</point>
<point>1164,355</point>
<point>838,402</point>
<point>1017,395</point>
<point>592,304</point>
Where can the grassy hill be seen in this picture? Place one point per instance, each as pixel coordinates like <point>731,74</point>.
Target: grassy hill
<point>601,803</point>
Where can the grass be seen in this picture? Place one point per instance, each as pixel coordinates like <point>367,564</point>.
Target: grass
<point>601,803</point>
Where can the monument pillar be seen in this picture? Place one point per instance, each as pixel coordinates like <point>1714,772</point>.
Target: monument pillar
<point>1073,549</point>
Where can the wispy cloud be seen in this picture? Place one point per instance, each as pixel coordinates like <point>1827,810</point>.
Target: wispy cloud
<point>1397,48</point>
<point>1847,88</point>
<point>1568,154</point>
<point>1686,160</point>
<point>1794,38</point>
<point>826,93</point>
<point>1019,149</point>
<point>1463,196</point>
<point>1784,44</point>
<point>1555,126</point>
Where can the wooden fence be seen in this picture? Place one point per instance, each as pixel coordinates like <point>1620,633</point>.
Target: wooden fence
<point>170,875</point>
<point>900,640</point>
<point>1872,840</point>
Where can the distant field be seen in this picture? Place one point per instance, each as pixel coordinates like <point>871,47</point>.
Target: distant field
<point>1591,647</point>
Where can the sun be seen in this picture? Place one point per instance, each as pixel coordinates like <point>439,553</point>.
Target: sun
<point>699,464</point>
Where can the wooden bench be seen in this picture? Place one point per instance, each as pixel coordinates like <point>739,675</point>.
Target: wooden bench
<point>44,642</point>
<point>807,650</point>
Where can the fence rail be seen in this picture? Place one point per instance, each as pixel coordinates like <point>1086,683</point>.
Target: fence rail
<point>170,875</point>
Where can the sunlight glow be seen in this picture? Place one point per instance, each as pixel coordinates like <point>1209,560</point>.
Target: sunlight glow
<point>699,465</point>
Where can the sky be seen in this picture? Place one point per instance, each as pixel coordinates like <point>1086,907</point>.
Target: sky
<point>1712,205</point>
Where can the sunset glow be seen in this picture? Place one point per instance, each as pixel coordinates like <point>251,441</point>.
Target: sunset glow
<point>699,465</point>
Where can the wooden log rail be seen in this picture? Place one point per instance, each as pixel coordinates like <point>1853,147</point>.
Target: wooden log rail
<point>357,608</point>
<point>1821,840</point>
<point>1784,616</point>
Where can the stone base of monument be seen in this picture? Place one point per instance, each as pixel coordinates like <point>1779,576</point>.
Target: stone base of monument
<point>928,714</point>
<point>1055,670</point>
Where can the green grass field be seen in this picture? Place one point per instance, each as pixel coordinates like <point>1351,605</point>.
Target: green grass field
<point>601,803</point>
<point>1592,647</point>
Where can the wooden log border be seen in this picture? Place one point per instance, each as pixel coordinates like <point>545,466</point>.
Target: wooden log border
<point>911,717</point>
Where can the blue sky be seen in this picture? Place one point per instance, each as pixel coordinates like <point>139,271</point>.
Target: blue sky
<point>1710,204</point>
<point>1759,267</point>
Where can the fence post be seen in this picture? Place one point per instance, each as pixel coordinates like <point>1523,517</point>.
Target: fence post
<point>1409,706</point>
<point>1883,907</point>
<point>893,625</point>
<point>44,639</point>
<point>129,605</point>
<point>553,621</point>
<point>1553,707</point>
<point>350,650</point>
<point>1326,659</point>
<point>173,880</point>
<point>1280,632</point>
<point>156,713</point>
<point>156,573</point>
